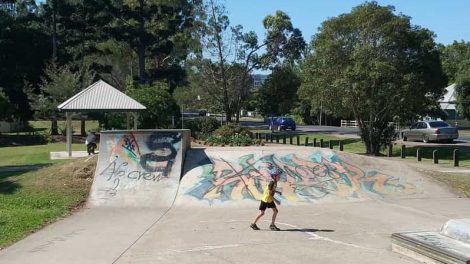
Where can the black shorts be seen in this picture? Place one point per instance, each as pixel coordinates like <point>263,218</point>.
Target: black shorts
<point>263,205</point>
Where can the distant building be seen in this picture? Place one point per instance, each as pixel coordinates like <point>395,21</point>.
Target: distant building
<point>8,6</point>
<point>448,102</point>
<point>258,80</point>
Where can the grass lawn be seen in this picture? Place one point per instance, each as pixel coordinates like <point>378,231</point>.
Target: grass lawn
<point>27,155</point>
<point>31,199</point>
<point>46,125</point>
<point>445,154</point>
<point>355,145</point>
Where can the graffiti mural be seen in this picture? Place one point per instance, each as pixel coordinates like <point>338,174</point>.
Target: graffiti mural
<point>137,157</point>
<point>302,179</point>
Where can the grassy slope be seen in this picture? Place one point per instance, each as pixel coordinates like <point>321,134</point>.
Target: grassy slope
<point>30,200</point>
<point>460,182</point>
<point>34,197</point>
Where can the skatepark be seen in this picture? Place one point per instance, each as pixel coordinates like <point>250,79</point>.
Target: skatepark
<point>155,199</point>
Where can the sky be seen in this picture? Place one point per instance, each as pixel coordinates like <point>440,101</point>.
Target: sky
<point>449,20</point>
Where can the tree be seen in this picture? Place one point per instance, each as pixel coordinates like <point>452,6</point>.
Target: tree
<point>279,91</point>
<point>196,94</point>
<point>463,91</point>
<point>113,61</point>
<point>157,31</point>
<point>24,49</point>
<point>161,107</point>
<point>58,85</point>
<point>230,55</point>
<point>456,63</point>
<point>454,57</point>
<point>74,26</point>
<point>5,105</point>
<point>376,65</point>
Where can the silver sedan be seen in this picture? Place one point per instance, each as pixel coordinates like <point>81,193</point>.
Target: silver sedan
<point>430,131</point>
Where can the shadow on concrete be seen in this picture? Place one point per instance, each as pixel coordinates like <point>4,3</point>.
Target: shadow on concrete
<point>195,158</point>
<point>307,230</point>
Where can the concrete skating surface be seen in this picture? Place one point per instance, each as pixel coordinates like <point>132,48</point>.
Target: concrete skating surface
<point>344,216</point>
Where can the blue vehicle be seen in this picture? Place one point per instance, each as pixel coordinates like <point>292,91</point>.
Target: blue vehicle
<point>282,123</point>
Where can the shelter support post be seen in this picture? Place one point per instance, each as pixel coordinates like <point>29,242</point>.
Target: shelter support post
<point>136,120</point>
<point>69,132</point>
<point>128,121</point>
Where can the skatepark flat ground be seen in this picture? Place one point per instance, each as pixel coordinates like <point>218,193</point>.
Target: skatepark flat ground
<point>129,223</point>
<point>349,232</point>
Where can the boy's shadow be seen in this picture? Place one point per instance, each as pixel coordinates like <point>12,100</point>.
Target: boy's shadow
<point>307,230</point>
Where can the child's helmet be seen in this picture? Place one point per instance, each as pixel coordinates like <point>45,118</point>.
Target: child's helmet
<point>274,171</point>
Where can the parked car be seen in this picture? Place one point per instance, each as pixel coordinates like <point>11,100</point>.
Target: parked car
<point>282,123</point>
<point>430,131</point>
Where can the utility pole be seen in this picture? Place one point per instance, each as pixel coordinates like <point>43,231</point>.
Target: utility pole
<point>182,116</point>
<point>321,110</point>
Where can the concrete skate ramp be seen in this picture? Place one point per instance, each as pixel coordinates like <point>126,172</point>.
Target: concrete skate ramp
<point>237,176</point>
<point>138,168</point>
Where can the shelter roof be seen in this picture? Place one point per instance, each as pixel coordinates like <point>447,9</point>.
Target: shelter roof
<point>101,96</point>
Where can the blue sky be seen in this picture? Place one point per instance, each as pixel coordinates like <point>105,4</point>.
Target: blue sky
<point>449,20</point>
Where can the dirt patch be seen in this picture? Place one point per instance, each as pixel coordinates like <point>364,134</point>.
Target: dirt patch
<point>80,168</point>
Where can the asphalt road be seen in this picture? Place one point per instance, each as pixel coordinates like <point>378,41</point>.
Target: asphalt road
<point>353,132</point>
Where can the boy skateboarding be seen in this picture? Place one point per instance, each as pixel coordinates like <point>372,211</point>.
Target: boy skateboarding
<point>268,200</point>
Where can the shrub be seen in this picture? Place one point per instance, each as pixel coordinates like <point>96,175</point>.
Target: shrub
<point>201,128</point>
<point>232,129</point>
<point>231,135</point>
<point>45,136</point>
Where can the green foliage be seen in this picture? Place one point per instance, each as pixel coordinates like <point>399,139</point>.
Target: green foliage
<point>6,106</point>
<point>58,85</point>
<point>376,65</point>
<point>298,119</point>
<point>157,31</point>
<point>231,134</point>
<point>283,40</point>
<point>115,120</point>
<point>463,92</point>
<point>278,94</point>
<point>161,106</point>
<point>455,57</point>
<point>226,74</point>
<point>303,113</point>
<point>24,49</point>
<point>201,126</point>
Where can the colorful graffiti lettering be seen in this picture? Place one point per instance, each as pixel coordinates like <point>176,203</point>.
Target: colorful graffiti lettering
<point>139,157</point>
<point>303,179</point>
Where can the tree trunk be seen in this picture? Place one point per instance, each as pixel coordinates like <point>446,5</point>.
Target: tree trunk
<point>228,115</point>
<point>54,127</point>
<point>54,30</point>
<point>141,48</point>
<point>82,126</point>
<point>218,37</point>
